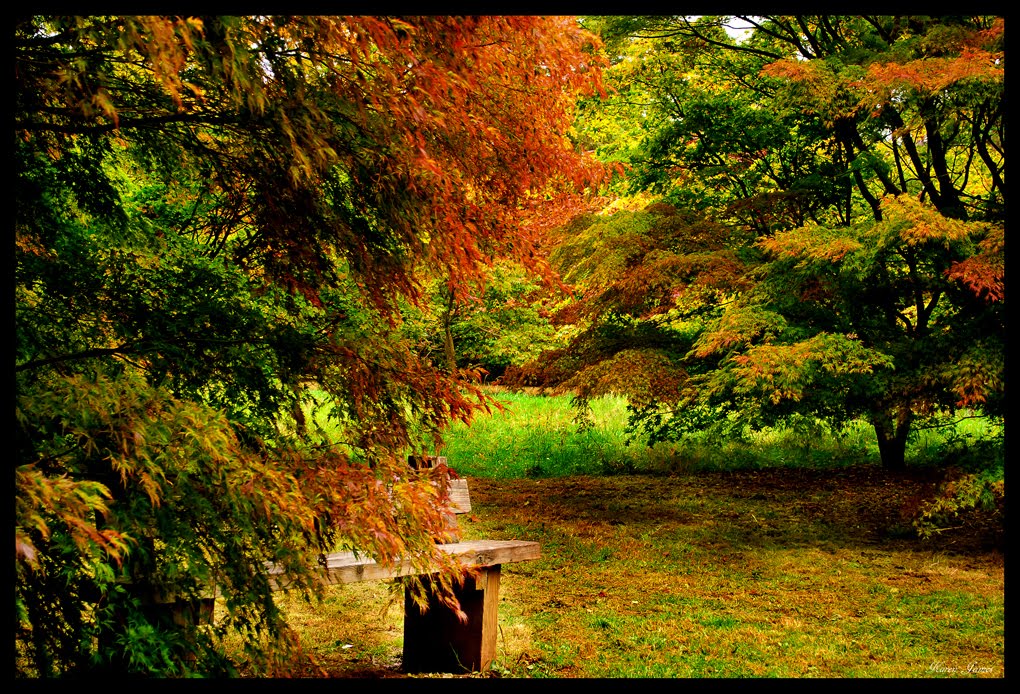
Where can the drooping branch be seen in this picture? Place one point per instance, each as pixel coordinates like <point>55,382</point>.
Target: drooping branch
<point>125,349</point>
<point>152,122</point>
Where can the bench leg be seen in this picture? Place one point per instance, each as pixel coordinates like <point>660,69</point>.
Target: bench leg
<point>437,641</point>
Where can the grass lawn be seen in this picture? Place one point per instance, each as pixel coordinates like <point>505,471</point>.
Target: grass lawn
<point>760,573</point>
<point>781,556</point>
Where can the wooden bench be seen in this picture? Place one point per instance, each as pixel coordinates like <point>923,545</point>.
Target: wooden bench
<point>436,640</point>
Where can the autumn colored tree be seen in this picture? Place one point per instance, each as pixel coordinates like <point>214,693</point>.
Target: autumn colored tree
<point>853,169</point>
<point>213,216</point>
<point>646,282</point>
<point>889,322</point>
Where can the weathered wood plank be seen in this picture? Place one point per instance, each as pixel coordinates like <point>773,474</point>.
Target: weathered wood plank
<point>460,498</point>
<point>345,567</point>
<point>490,617</point>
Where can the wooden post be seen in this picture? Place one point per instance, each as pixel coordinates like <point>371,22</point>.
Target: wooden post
<point>161,611</point>
<point>425,462</point>
<point>191,612</point>
<point>436,641</point>
<point>451,531</point>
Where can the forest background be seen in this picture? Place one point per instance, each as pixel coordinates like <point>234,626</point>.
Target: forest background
<point>261,260</point>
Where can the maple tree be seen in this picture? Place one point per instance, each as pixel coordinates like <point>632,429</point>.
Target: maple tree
<point>214,216</point>
<point>833,242</point>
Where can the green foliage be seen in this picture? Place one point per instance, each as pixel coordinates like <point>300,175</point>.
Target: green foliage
<point>972,451</point>
<point>505,323</point>
<point>841,246</point>
<point>850,323</point>
<point>510,326</point>
<point>181,510</point>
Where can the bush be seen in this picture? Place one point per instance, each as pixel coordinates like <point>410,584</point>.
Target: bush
<point>963,498</point>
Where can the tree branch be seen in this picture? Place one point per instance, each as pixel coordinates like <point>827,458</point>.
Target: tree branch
<point>129,123</point>
<point>74,356</point>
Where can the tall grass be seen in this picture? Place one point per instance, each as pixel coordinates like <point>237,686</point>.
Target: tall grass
<point>537,436</point>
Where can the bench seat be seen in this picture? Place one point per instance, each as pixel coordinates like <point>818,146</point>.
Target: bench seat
<point>347,567</point>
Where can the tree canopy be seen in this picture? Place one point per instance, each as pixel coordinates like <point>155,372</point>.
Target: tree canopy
<point>217,221</point>
<point>260,260</point>
<point>831,238</point>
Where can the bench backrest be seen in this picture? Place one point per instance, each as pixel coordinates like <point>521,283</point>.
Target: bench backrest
<point>460,498</point>
<point>457,488</point>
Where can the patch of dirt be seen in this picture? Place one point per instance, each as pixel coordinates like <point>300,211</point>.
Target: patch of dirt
<point>859,505</point>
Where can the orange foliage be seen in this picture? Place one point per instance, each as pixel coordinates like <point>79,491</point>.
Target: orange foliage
<point>478,110</point>
<point>977,59</point>
<point>72,504</point>
<point>984,274</point>
<point>811,73</point>
<point>974,377</point>
<point>785,372</point>
<point>664,280</point>
<point>809,243</point>
<point>932,75</point>
<point>456,125</point>
<point>923,223</point>
<point>642,375</point>
<point>739,327</point>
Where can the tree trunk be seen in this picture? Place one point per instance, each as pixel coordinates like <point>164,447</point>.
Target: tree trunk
<point>448,348</point>
<point>891,431</point>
